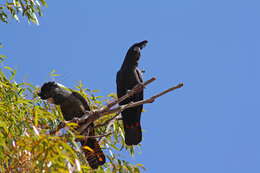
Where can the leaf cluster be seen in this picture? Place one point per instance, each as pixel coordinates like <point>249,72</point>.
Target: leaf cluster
<point>18,8</point>
<point>27,146</point>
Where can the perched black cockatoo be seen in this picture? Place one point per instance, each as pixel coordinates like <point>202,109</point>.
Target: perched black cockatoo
<point>72,105</point>
<point>127,77</point>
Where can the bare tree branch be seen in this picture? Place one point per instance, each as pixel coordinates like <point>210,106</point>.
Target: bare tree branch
<point>166,91</point>
<point>92,116</point>
<point>151,99</point>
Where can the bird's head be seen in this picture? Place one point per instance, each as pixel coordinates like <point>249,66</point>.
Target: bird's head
<point>136,49</point>
<point>133,55</point>
<point>48,91</point>
<point>140,45</point>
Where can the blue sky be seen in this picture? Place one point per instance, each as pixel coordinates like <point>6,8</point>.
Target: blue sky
<point>211,125</point>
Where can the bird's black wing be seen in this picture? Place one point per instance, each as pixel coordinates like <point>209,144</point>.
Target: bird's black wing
<point>82,100</point>
<point>126,80</point>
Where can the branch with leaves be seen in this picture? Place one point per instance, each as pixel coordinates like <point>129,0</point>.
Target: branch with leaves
<point>26,8</point>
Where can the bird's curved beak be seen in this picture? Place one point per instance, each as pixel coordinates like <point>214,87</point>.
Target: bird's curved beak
<point>143,44</point>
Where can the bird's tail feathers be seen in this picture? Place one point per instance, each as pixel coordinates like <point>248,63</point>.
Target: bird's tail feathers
<point>133,133</point>
<point>93,153</point>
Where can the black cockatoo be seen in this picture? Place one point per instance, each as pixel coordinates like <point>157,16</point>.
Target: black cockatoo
<point>127,77</point>
<point>72,105</point>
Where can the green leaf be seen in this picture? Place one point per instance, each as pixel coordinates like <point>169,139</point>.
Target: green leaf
<point>8,68</point>
<point>53,73</point>
<point>2,56</point>
<point>44,3</point>
<point>72,124</point>
<point>13,72</point>
<point>16,18</point>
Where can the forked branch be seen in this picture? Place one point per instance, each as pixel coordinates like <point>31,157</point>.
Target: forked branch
<point>94,115</point>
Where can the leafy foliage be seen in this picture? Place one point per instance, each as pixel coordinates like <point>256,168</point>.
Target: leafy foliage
<point>27,146</point>
<point>15,8</point>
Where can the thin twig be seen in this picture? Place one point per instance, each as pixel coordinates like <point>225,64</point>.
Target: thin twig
<point>97,136</point>
<point>107,121</point>
<point>168,90</point>
<point>110,123</point>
